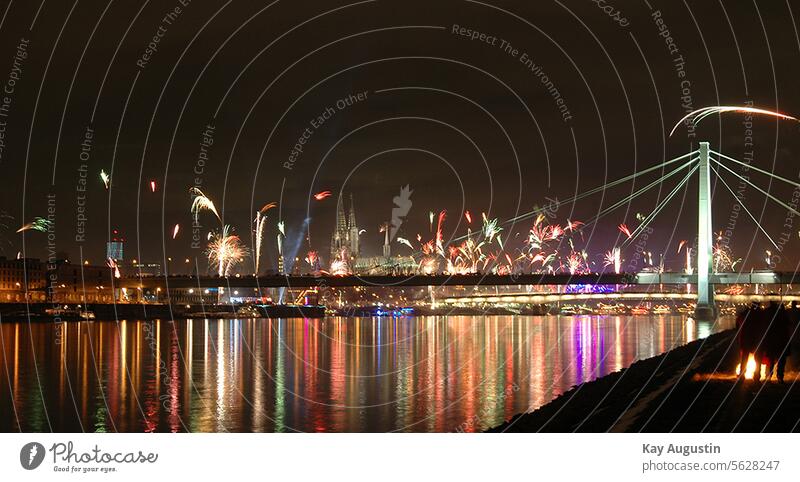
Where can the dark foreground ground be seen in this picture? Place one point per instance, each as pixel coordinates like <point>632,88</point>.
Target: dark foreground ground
<point>688,389</point>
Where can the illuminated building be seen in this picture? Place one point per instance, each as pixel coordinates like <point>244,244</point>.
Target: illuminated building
<point>344,240</point>
<point>115,247</point>
<point>22,279</point>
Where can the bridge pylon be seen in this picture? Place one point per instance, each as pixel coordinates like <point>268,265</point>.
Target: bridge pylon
<point>705,309</point>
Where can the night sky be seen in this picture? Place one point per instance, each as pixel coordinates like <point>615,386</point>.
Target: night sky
<point>467,124</point>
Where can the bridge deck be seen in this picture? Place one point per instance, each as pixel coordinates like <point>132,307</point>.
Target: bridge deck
<point>309,281</point>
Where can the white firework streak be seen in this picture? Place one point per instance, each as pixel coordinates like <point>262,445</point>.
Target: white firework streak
<point>404,241</point>
<point>201,202</point>
<point>260,225</point>
<point>700,114</point>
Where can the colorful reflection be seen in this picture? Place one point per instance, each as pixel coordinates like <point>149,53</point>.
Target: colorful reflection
<point>428,374</point>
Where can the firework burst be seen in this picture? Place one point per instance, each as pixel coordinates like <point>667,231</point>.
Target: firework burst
<point>38,224</point>
<point>225,251</point>
<point>614,258</point>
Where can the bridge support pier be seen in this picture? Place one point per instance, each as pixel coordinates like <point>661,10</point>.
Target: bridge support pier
<point>705,309</point>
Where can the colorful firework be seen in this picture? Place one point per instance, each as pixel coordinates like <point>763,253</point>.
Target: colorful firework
<point>723,259</point>
<point>491,229</point>
<point>38,224</point>
<point>267,207</point>
<point>112,263</point>
<point>322,195</point>
<point>576,263</point>
<point>312,258</point>
<point>440,234</point>
<point>468,216</point>
<point>225,251</point>
<point>693,118</point>
<point>572,225</point>
<point>624,229</point>
<point>340,266</point>
<point>614,258</point>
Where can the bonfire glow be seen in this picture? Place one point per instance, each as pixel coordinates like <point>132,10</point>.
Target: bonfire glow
<point>750,369</point>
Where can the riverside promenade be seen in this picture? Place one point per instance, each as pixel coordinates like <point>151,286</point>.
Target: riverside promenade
<point>692,388</point>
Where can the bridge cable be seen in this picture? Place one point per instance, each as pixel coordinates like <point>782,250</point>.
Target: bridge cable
<point>719,176</point>
<point>762,171</point>
<point>659,207</point>
<point>604,187</point>
<point>791,209</point>
<point>595,190</point>
<point>636,194</point>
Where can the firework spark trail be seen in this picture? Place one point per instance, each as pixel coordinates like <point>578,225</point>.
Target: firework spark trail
<point>175,231</point>
<point>202,202</point>
<point>439,233</point>
<point>468,216</point>
<point>38,224</point>
<point>322,195</point>
<point>105,178</point>
<point>153,186</point>
<point>491,229</point>
<point>260,222</point>
<point>624,229</point>
<point>614,258</point>
<point>404,241</point>
<point>572,225</point>
<point>112,263</point>
<point>267,207</point>
<point>693,118</point>
<point>281,235</point>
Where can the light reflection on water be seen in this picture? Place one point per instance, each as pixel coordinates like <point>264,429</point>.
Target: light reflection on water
<point>431,374</point>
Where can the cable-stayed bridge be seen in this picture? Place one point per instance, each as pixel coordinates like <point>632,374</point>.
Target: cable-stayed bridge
<point>702,162</point>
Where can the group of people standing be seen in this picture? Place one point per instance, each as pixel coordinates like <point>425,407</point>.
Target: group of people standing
<point>767,332</point>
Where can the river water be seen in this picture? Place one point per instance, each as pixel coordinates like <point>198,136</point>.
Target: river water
<point>425,374</point>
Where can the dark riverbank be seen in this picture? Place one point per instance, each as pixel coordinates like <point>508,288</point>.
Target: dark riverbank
<point>688,389</point>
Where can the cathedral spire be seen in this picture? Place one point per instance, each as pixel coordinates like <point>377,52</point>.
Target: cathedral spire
<point>355,249</point>
<point>341,221</point>
<point>351,222</point>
